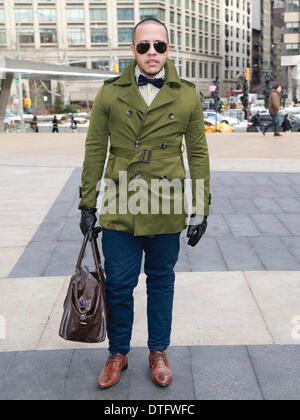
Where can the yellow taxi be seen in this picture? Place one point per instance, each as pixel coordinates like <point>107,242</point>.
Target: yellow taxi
<point>219,128</point>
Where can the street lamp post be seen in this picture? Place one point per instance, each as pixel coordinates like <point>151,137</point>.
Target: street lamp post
<point>111,59</point>
<point>21,111</point>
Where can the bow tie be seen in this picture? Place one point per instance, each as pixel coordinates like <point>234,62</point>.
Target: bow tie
<point>143,81</point>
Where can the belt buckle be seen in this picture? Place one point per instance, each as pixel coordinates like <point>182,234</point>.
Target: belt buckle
<point>143,155</point>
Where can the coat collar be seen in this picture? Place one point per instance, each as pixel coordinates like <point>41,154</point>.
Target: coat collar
<point>132,95</point>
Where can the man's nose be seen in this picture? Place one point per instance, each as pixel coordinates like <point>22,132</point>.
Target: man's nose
<point>152,50</point>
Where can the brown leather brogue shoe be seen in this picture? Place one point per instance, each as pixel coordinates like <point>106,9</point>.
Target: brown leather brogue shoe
<point>111,372</point>
<point>161,372</point>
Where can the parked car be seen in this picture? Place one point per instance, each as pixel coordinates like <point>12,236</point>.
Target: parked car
<point>211,115</point>
<point>207,103</point>
<point>234,113</point>
<point>211,127</point>
<point>11,120</point>
<point>266,119</point>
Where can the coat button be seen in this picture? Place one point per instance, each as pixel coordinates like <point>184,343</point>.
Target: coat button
<point>137,144</point>
<point>171,116</point>
<point>164,146</point>
<point>129,113</point>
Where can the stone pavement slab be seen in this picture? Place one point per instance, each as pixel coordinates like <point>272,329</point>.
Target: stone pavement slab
<point>9,258</point>
<point>278,295</point>
<point>200,373</point>
<point>224,373</point>
<point>26,305</point>
<point>247,210</point>
<point>274,254</point>
<point>293,245</point>
<point>212,308</point>
<point>275,367</point>
<point>239,254</point>
<point>291,222</point>
<point>250,151</point>
<point>27,194</point>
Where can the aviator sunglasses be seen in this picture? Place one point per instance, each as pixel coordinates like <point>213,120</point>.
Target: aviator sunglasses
<point>159,46</point>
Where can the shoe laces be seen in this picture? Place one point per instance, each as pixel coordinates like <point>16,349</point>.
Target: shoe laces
<point>160,355</point>
<point>114,358</point>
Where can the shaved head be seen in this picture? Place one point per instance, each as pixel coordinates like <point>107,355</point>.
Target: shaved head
<point>145,22</point>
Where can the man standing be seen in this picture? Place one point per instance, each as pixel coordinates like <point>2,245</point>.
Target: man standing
<point>274,108</point>
<point>73,125</point>
<point>145,112</point>
<point>55,125</point>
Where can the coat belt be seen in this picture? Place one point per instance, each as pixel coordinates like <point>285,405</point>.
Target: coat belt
<point>146,155</point>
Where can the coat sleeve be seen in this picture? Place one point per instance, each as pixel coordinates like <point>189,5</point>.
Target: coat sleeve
<point>198,159</point>
<point>95,151</point>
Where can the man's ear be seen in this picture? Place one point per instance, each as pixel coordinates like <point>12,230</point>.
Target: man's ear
<point>132,49</point>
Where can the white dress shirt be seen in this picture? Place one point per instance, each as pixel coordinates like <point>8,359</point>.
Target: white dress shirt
<point>149,91</point>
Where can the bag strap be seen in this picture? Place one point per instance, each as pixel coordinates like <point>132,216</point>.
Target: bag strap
<point>81,253</point>
<point>96,255</point>
<point>97,259</point>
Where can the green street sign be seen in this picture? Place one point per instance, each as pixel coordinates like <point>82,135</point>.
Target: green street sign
<point>17,80</point>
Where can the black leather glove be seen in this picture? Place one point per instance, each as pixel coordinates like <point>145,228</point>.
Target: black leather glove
<point>88,221</point>
<point>196,229</point>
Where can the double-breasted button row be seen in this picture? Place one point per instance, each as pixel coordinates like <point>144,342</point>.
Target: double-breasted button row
<point>130,114</point>
<point>138,175</point>
<point>138,143</point>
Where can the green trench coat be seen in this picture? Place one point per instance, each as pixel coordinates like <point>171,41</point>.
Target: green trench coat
<point>121,114</point>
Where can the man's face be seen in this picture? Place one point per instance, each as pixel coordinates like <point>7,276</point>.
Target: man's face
<point>151,62</point>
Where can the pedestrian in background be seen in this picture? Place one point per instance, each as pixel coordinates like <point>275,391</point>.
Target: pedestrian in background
<point>256,120</point>
<point>286,125</point>
<point>55,125</point>
<point>73,125</point>
<point>34,124</point>
<point>274,108</point>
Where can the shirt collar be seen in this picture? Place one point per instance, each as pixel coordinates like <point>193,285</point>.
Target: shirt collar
<point>128,76</point>
<point>159,75</point>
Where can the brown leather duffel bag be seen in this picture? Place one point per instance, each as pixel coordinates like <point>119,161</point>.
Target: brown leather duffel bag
<point>85,313</point>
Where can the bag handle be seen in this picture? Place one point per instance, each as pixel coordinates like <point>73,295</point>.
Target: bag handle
<point>81,253</point>
<point>97,259</point>
<point>96,255</point>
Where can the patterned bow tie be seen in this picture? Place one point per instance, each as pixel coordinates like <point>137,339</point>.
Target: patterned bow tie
<point>143,81</point>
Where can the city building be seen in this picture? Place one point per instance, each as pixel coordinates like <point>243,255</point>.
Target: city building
<point>261,44</point>
<point>236,45</point>
<point>209,38</point>
<point>291,54</point>
<point>277,43</point>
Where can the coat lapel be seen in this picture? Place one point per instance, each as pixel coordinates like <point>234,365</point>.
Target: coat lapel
<point>132,96</point>
<point>171,88</point>
<point>130,93</point>
<point>165,96</point>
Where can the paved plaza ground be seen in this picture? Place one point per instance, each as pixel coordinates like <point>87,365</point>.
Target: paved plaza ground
<point>236,331</point>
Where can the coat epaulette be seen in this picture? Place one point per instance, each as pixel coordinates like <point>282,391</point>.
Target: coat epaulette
<point>188,83</point>
<point>111,79</point>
